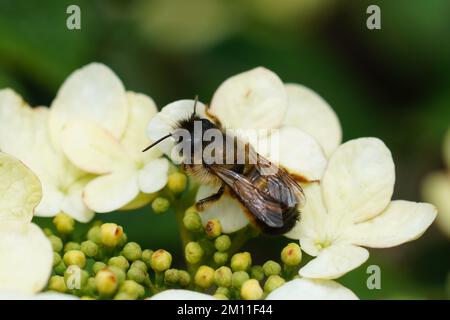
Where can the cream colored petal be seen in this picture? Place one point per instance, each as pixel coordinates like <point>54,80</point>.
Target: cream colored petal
<point>179,294</point>
<point>51,201</point>
<point>359,180</point>
<point>402,221</point>
<point>255,99</point>
<point>73,203</point>
<point>26,257</point>
<point>335,261</point>
<point>310,289</point>
<point>153,177</point>
<point>93,93</point>
<point>296,151</point>
<point>20,190</point>
<point>310,113</point>
<point>447,148</point>
<point>227,210</point>
<point>92,148</point>
<point>111,192</point>
<point>165,121</point>
<point>436,189</point>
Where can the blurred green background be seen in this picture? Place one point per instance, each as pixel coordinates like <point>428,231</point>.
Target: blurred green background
<point>392,83</point>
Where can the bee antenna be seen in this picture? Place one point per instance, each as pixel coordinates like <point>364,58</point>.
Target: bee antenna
<point>195,105</point>
<point>156,142</point>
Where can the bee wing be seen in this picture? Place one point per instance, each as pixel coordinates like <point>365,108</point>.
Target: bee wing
<point>259,203</point>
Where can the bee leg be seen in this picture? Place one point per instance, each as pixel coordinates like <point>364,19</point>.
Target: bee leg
<point>202,204</point>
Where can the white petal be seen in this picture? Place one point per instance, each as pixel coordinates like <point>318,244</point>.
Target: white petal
<point>20,190</point>
<point>310,289</point>
<point>310,113</point>
<point>92,93</point>
<point>335,261</point>
<point>73,203</point>
<point>295,151</point>
<point>27,257</point>
<point>227,210</point>
<point>111,192</point>
<point>51,201</point>
<point>153,177</point>
<point>436,189</point>
<point>254,99</point>
<point>402,221</point>
<point>359,180</point>
<point>179,294</point>
<point>164,122</point>
<point>92,148</point>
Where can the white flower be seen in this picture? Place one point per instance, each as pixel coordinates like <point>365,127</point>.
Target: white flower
<point>26,253</point>
<point>352,207</point>
<point>180,294</point>
<point>311,289</point>
<point>308,129</point>
<point>24,134</point>
<point>436,189</point>
<point>101,129</point>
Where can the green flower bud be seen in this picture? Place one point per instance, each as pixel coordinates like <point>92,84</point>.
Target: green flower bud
<point>56,242</point>
<point>147,257</point>
<point>291,255</point>
<point>257,272</point>
<point>213,228</point>
<point>89,248</point>
<point>273,282</point>
<point>193,252</point>
<point>119,273</point>
<point>184,278</point>
<point>220,296</point>
<point>132,251</point>
<point>97,266</point>
<point>192,221</point>
<point>123,240</point>
<point>75,257</point>
<point>119,262</point>
<point>123,296</point>
<point>160,205</point>
<point>223,277</point>
<point>133,289</point>
<point>94,234</point>
<point>110,234</point>
<point>222,243</point>
<point>251,290</point>
<point>204,277</point>
<point>223,291</point>
<point>137,275</point>
<point>71,245</point>
<point>177,182</point>
<point>90,288</point>
<point>161,260</point>
<point>56,259</point>
<point>171,276</point>
<point>271,268</point>
<point>238,278</point>
<point>64,223</point>
<point>140,265</point>
<point>241,261</point>
<point>57,283</point>
<point>106,282</point>
<point>60,268</point>
<point>220,258</point>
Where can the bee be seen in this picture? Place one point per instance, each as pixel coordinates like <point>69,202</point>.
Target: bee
<point>269,196</point>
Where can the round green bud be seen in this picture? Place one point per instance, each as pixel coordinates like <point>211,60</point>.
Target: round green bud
<point>97,266</point>
<point>56,259</point>
<point>147,257</point>
<point>110,234</point>
<point>140,265</point>
<point>71,245</point>
<point>75,257</point>
<point>220,296</point>
<point>224,291</point>
<point>213,228</point>
<point>60,268</point>
<point>58,284</point>
<point>222,243</point>
<point>291,255</point>
<point>177,182</point>
<point>223,277</point>
<point>56,242</point>
<point>251,290</point>
<point>106,282</point>
<point>137,275</point>
<point>271,268</point>
<point>132,288</point>
<point>257,272</point>
<point>241,261</point>
<point>64,223</point>
<point>89,248</point>
<point>220,258</point>
<point>90,288</point>
<point>119,262</point>
<point>161,260</point>
<point>193,252</point>
<point>123,240</point>
<point>273,282</point>
<point>119,273</point>
<point>132,251</point>
<point>160,205</point>
<point>204,277</point>
<point>123,296</point>
<point>171,276</point>
<point>238,278</point>
<point>184,278</point>
<point>94,234</point>
<point>192,221</point>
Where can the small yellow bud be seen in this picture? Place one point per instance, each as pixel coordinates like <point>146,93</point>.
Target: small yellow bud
<point>193,252</point>
<point>161,260</point>
<point>110,234</point>
<point>291,255</point>
<point>74,257</point>
<point>241,261</point>
<point>223,277</point>
<point>204,277</point>
<point>273,282</point>
<point>177,182</point>
<point>64,223</point>
<point>251,290</point>
<point>58,284</point>
<point>132,251</point>
<point>213,228</point>
<point>106,282</point>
